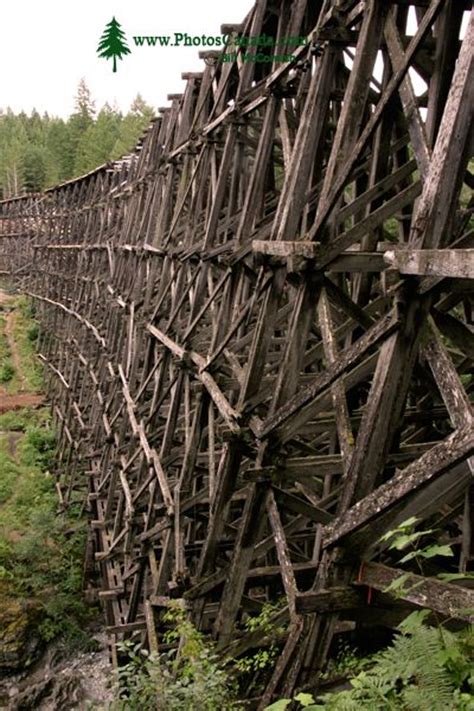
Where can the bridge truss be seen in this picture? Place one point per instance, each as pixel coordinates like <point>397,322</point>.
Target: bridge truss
<point>257,332</point>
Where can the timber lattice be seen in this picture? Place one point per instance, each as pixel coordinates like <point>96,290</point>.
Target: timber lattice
<point>258,332</point>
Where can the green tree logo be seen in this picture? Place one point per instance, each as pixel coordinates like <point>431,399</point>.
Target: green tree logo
<point>113,43</point>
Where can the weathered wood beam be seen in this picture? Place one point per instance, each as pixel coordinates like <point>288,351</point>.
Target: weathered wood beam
<point>446,599</point>
<point>444,456</point>
<point>455,263</point>
<point>335,599</point>
<point>290,416</point>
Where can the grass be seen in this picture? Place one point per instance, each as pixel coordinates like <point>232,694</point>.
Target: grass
<point>6,368</point>
<point>41,549</point>
<point>7,372</point>
<point>25,332</point>
<point>20,420</point>
<point>4,349</point>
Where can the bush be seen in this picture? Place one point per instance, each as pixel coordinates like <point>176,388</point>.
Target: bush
<point>41,552</point>
<point>32,332</point>
<point>425,668</point>
<point>38,447</point>
<point>187,680</point>
<point>7,371</point>
<point>7,479</point>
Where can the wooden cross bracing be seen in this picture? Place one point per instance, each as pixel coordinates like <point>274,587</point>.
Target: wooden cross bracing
<point>258,331</point>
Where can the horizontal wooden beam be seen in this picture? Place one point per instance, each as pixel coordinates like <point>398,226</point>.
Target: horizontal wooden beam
<point>456,263</point>
<point>278,248</point>
<point>444,598</point>
<point>313,466</point>
<point>329,600</point>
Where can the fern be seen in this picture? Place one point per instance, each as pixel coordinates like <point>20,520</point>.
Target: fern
<point>433,685</point>
<point>423,669</point>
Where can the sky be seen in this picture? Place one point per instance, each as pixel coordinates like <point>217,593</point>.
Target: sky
<point>47,46</point>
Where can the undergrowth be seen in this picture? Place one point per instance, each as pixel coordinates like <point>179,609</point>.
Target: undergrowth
<point>25,332</point>
<point>40,549</point>
<point>188,677</point>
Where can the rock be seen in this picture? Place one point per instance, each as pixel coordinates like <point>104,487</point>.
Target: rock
<point>63,681</point>
<point>20,642</point>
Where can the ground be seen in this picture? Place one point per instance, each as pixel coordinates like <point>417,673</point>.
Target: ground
<point>47,660</point>
<point>21,391</point>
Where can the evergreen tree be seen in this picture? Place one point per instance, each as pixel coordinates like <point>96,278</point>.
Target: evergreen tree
<point>79,123</point>
<point>133,126</point>
<point>60,152</point>
<point>34,168</point>
<point>83,103</point>
<point>97,143</point>
<point>39,151</point>
<point>113,43</point>
<point>13,140</point>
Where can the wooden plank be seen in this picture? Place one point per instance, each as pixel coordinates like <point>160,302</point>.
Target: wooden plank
<point>276,425</point>
<point>279,248</point>
<point>283,553</point>
<point>435,208</point>
<point>407,94</point>
<point>252,522</point>
<point>455,263</point>
<point>446,599</point>
<point>444,456</point>
<point>335,599</point>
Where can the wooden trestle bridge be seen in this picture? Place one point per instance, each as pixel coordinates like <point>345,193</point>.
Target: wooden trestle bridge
<point>258,334</point>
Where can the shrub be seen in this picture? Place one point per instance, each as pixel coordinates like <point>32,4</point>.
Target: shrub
<point>7,371</point>
<point>38,447</point>
<point>425,668</point>
<point>41,552</point>
<point>185,680</point>
<point>32,332</point>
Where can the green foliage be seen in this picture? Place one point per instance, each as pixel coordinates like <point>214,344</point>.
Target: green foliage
<point>96,144</point>
<point>38,447</point>
<point>405,536</point>
<point>32,332</point>
<point>305,701</point>
<point>264,623</point>
<point>7,477</point>
<point>7,371</point>
<point>346,662</point>
<point>23,324</point>
<point>40,550</point>
<point>184,679</point>
<point>20,420</point>
<point>38,151</point>
<point>4,349</point>
<point>279,705</point>
<point>425,668</point>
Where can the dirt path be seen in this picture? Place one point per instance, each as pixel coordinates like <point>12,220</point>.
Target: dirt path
<point>16,402</point>
<point>5,299</point>
<point>20,399</point>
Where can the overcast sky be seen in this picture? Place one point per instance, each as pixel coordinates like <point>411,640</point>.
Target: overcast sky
<point>46,46</point>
